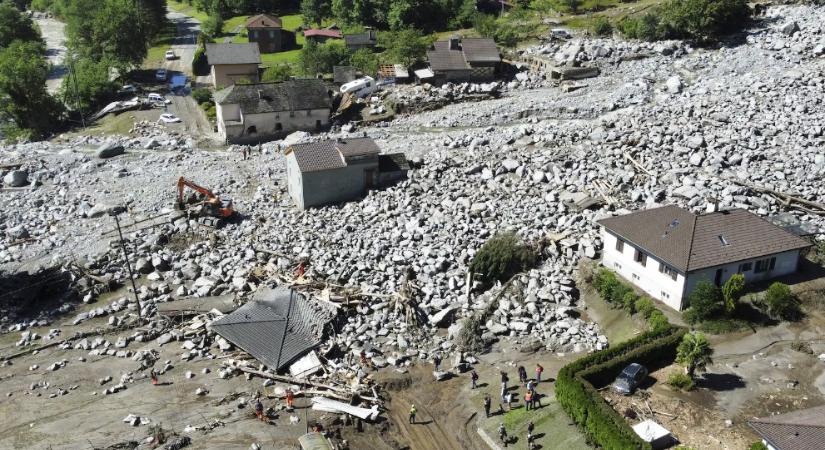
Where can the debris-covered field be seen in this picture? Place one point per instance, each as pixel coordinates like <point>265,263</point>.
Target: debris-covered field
<point>663,123</point>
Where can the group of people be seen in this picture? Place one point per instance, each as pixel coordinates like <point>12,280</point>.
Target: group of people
<point>259,406</point>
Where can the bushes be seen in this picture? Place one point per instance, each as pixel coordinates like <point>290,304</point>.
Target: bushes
<point>200,65</point>
<point>579,398</point>
<point>645,28</point>
<point>621,295</point>
<point>681,381</point>
<point>732,291</point>
<point>781,303</point>
<point>657,320</point>
<point>700,20</point>
<point>645,307</point>
<point>601,26</point>
<point>280,72</point>
<point>757,446</point>
<point>202,95</point>
<point>705,302</point>
<point>501,257</point>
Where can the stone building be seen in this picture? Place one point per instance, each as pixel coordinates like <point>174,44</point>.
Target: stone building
<point>458,60</point>
<point>339,170</point>
<point>248,113</point>
<point>233,62</point>
<point>266,31</point>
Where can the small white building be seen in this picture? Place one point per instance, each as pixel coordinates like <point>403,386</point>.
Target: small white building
<point>657,435</point>
<point>666,251</point>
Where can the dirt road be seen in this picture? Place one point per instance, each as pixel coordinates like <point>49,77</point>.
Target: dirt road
<point>53,32</point>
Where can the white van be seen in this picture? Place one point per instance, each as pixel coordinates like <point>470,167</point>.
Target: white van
<point>153,97</point>
<point>361,87</point>
<point>560,33</point>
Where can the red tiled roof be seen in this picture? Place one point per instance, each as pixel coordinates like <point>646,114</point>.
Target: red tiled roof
<point>323,33</point>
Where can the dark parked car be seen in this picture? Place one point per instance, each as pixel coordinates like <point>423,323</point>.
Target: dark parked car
<point>629,379</point>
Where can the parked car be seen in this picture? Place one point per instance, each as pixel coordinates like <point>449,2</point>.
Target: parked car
<point>128,89</point>
<point>560,33</point>
<point>170,55</point>
<point>154,97</point>
<point>169,118</point>
<point>160,75</point>
<point>629,379</point>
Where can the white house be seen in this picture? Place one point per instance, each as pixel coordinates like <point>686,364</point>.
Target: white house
<point>665,251</point>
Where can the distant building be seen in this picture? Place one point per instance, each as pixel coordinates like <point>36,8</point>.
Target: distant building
<point>233,62</point>
<point>264,111</point>
<point>666,251</point>
<point>344,74</point>
<point>339,170</point>
<point>796,430</point>
<point>458,60</point>
<point>321,35</point>
<point>265,30</point>
<point>357,41</point>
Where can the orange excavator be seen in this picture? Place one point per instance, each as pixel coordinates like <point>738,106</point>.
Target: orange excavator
<point>211,210</point>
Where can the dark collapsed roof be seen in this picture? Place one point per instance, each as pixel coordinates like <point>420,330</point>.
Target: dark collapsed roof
<point>276,327</point>
<point>394,162</point>
<point>263,21</point>
<point>474,50</point>
<point>331,154</point>
<point>291,95</point>
<point>690,242</point>
<point>247,53</point>
<point>796,430</point>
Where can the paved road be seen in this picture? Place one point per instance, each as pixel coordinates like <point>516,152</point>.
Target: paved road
<point>184,106</point>
<point>54,34</point>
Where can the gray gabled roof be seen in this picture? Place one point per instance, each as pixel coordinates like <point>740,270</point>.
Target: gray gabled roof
<point>796,430</point>
<point>276,327</point>
<point>331,154</point>
<point>219,54</point>
<point>291,95</point>
<point>365,38</point>
<point>471,50</point>
<point>690,242</point>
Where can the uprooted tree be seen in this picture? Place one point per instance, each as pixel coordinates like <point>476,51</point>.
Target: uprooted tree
<point>501,257</point>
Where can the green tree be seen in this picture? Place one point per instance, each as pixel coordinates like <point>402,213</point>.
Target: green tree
<point>704,20</point>
<point>213,25</point>
<point>279,72</point>
<point>705,302</point>
<point>573,5</point>
<point>352,12</point>
<point>16,26</point>
<point>781,303</point>
<point>365,60</point>
<point>501,257</point>
<point>88,85</point>
<point>23,96</point>
<point>405,47</point>
<point>109,29</point>
<point>732,291</point>
<point>694,353</point>
<point>314,11</point>
<point>321,58</point>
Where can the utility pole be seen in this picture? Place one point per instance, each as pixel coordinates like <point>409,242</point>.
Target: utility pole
<point>114,212</point>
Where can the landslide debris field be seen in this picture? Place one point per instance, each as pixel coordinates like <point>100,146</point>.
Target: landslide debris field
<point>663,123</point>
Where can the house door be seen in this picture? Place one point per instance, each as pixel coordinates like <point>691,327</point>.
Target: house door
<point>717,280</point>
<point>369,175</point>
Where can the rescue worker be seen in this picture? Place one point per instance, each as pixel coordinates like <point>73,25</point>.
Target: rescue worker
<point>487,402</point>
<point>473,379</point>
<point>528,400</point>
<point>522,374</point>
<point>539,370</point>
<point>413,411</point>
<point>259,409</point>
<point>154,376</point>
<point>290,399</point>
<point>502,434</point>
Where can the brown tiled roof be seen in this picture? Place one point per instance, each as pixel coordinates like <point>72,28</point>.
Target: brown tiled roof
<point>689,242</point>
<point>317,156</point>
<point>331,154</point>
<point>263,21</point>
<point>796,430</point>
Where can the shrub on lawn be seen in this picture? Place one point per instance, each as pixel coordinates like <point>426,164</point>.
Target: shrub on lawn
<point>202,95</point>
<point>758,446</point>
<point>601,26</point>
<point>645,28</point>
<point>657,320</point>
<point>501,257</point>
<point>781,303</point>
<point>705,302</point>
<point>732,291</point>
<point>629,301</point>
<point>703,20</point>
<point>681,381</point>
<point>645,307</point>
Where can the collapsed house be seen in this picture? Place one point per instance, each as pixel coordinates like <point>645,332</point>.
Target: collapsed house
<point>277,327</point>
<point>458,60</point>
<point>339,170</point>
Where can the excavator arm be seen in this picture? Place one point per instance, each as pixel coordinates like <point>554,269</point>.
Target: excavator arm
<point>217,207</point>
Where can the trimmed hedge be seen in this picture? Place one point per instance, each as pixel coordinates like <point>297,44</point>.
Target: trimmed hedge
<point>578,397</point>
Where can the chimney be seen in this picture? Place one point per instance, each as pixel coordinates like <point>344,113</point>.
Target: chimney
<point>713,205</point>
<point>455,43</point>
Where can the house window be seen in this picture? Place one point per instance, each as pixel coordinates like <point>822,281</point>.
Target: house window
<point>745,267</point>
<point>617,265</point>
<point>251,34</point>
<point>667,270</point>
<point>764,265</point>
<point>635,277</point>
<point>665,294</point>
<point>619,245</point>
<point>271,33</point>
<point>641,258</point>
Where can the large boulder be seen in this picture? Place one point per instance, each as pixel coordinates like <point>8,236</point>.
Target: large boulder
<point>109,150</point>
<point>16,178</point>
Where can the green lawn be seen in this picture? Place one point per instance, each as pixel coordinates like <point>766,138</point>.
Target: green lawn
<point>155,55</point>
<point>189,10</point>
<point>289,22</point>
<point>231,23</point>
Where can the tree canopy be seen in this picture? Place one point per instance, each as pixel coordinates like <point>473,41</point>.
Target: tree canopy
<point>15,26</point>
